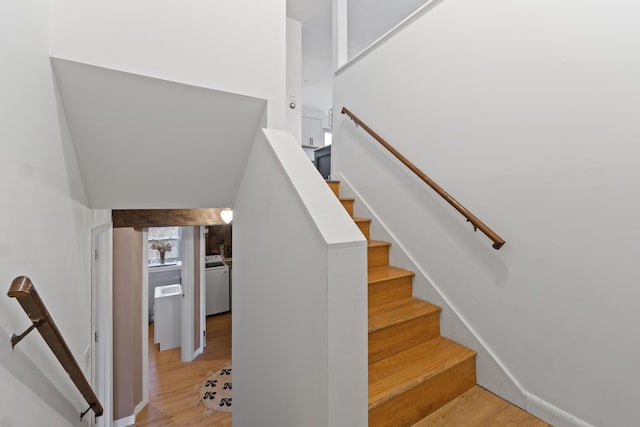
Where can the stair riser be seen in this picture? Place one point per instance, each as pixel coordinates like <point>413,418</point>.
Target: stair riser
<point>389,291</point>
<point>378,256</point>
<point>335,187</point>
<point>348,205</point>
<point>364,228</point>
<point>388,341</point>
<point>407,408</point>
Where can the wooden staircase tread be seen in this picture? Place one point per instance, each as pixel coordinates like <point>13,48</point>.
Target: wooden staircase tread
<point>377,243</point>
<point>331,181</point>
<point>400,372</point>
<point>347,199</point>
<point>380,274</point>
<point>359,219</point>
<point>399,311</point>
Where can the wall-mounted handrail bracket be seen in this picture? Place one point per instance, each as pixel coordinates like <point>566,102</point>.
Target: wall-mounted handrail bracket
<point>498,242</point>
<point>15,339</point>
<point>82,414</point>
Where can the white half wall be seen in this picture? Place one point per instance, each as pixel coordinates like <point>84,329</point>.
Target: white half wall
<point>45,226</point>
<point>299,296</point>
<point>525,113</point>
<point>231,46</point>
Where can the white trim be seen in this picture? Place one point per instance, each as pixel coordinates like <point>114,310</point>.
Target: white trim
<point>124,422</point>
<point>198,352</point>
<point>200,287</point>
<point>102,274</point>
<point>145,318</point>
<point>139,407</point>
<point>386,36</point>
<point>203,295</point>
<point>552,414</point>
<point>188,255</point>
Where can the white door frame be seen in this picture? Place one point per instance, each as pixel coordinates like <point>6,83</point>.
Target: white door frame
<point>145,322</point>
<point>188,258</point>
<point>102,320</point>
<point>203,291</point>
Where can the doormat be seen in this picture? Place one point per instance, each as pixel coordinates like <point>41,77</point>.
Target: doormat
<point>215,392</point>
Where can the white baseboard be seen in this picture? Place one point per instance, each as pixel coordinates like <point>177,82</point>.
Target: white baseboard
<point>139,407</point>
<point>552,414</point>
<point>124,422</point>
<point>130,420</point>
<point>198,352</point>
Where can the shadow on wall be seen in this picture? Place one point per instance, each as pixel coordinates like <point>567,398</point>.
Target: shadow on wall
<point>28,373</point>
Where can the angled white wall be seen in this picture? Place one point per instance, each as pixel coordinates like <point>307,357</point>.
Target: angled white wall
<point>231,46</point>
<point>299,296</point>
<point>45,226</point>
<point>146,143</point>
<point>526,113</point>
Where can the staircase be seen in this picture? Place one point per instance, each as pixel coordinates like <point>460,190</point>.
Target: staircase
<point>413,371</point>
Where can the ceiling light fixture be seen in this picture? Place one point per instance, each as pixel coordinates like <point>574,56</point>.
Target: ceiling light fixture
<point>227,215</point>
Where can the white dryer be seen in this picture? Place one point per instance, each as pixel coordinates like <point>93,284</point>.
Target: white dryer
<point>217,285</point>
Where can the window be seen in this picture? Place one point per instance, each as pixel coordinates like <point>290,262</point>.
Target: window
<point>164,238</point>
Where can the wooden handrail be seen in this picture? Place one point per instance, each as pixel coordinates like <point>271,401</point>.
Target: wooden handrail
<point>498,242</point>
<point>23,290</point>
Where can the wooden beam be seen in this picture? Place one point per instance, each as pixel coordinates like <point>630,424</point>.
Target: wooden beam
<point>142,218</point>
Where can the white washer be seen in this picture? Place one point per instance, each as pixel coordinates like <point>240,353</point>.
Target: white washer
<point>217,285</point>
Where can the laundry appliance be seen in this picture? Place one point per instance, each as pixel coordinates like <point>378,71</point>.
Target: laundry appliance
<point>217,285</point>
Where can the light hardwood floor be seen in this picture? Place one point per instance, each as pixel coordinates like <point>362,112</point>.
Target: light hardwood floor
<point>172,393</point>
<point>171,382</point>
<point>480,408</point>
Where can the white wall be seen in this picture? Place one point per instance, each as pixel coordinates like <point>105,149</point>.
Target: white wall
<point>526,113</point>
<point>45,228</point>
<point>299,296</point>
<point>232,46</point>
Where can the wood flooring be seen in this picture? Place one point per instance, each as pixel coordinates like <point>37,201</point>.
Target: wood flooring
<point>480,408</point>
<point>172,382</point>
<point>172,393</point>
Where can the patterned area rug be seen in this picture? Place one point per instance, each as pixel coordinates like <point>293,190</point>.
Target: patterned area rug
<point>215,392</point>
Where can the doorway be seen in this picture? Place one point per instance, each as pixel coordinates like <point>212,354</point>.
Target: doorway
<point>137,221</point>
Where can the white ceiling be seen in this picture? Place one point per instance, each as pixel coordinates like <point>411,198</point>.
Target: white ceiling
<point>130,131</point>
<point>367,21</point>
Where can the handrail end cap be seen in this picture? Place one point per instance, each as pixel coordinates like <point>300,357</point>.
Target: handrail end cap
<point>20,286</point>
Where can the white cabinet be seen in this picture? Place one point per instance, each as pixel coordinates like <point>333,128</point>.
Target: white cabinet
<point>162,276</point>
<point>168,316</point>
<point>312,134</point>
